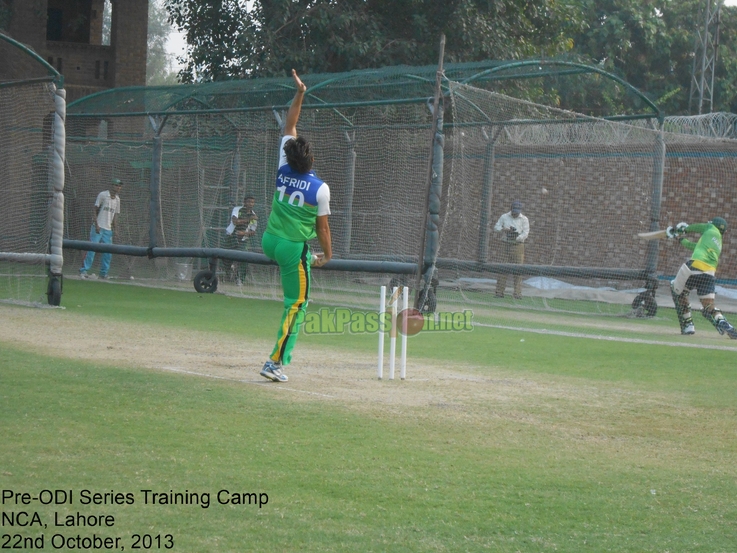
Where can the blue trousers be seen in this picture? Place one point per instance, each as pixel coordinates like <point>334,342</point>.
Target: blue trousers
<point>104,237</point>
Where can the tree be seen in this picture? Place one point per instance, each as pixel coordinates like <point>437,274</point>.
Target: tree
<point>650,44</point>
<point>213,31</point>
<point>725,88</point>
<point>232,38</point>
<point>158,62</point>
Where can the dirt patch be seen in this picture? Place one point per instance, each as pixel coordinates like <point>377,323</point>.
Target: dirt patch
<point>472,395</point>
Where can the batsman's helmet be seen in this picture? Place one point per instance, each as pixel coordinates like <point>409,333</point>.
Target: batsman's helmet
<point>720,223</point>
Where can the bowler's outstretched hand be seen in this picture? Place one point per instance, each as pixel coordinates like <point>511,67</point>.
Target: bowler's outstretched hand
<point>301,87</point>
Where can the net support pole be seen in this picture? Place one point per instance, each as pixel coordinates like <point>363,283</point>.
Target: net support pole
<point>430,235</point>
<point>349,190</point>
<point>651,255</point>
<point>155,185</point>
<point>56,262</point>
<point>487,187</point>
<point>235,195</point>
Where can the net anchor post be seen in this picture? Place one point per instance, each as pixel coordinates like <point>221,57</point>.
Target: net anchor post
<point>430,240</point>
<point>487,193</point>
<point>157,124</point>
<point>350,138</point>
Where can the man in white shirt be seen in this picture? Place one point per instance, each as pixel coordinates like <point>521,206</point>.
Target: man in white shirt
<point>241,234</point>
<point>243,220</point>
<point>107,207</point>
<point>514,228</point>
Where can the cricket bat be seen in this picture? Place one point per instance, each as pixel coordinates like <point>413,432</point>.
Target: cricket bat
<point>654,235</point>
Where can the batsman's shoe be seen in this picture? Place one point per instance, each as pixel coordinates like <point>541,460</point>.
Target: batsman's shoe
<point>688,330</point>
<point>724,327</point>
<point>272,371</point>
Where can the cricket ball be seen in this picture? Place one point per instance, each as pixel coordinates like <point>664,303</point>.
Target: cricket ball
<point>415,321</point>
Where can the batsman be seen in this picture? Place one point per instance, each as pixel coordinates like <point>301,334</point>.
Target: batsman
<point>699,273</point>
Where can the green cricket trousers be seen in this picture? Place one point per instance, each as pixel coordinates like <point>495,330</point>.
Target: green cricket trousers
<point>294,264</point>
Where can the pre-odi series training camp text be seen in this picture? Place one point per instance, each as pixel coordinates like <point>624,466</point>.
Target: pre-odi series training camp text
<point>77,519</point>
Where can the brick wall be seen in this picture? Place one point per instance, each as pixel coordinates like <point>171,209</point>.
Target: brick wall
<point>96,16</point>
<point>28,23</point>
<point>88,66</point>
<point>595,202</point>
<point>83,65</point>
<point>129,39</point>
<point>700,182</point>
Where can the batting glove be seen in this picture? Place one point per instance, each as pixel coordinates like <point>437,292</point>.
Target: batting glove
<point>681,228</point>
<point>670,232</point>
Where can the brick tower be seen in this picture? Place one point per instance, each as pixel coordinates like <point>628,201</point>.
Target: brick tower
<point>69,35</point>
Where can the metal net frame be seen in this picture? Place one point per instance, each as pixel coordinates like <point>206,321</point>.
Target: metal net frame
<point>589,185</point>
<point>189,153</point>
<point>32,152</point>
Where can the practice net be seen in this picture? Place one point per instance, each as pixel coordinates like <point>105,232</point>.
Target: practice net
<point>188,154</point>
<point>588,186</point>
<point>29,101</point>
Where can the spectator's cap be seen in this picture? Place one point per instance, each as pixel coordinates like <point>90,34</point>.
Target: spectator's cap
<point>117,182</point>
<point>516,206</point>
<point>720,223</point>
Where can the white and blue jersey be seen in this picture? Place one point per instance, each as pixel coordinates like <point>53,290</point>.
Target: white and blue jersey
<point>299,199</point>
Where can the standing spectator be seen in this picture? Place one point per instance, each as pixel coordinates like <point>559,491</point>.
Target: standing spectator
<point>104,216</point>
<point>241,232</point>
<point>514,228</point>
<point>299,212</point>
<point>699,273</point>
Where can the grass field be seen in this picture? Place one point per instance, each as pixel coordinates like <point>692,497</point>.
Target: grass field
<point>588,434</point>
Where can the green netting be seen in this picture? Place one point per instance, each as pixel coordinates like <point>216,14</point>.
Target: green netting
<point>559,83</point>
<point>20,64</point>
<point>372,157</point>
<point>588,184</point>
<point>28,129</point>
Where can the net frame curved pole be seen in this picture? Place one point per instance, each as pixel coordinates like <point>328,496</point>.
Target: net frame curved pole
<point>657,112</point>
<point>320,102</point>
<point>53,74</point>
<point>54,259</point>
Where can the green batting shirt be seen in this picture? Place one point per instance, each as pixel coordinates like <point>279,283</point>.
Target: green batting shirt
<point>706,251</point>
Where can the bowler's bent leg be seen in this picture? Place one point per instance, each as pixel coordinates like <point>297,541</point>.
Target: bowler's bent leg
<point>293,259</point>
